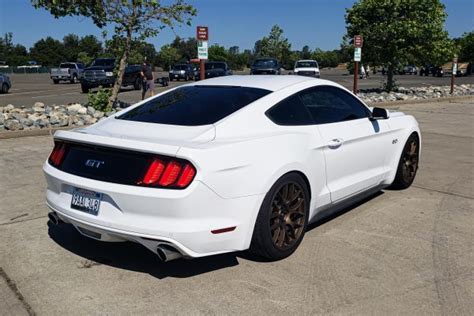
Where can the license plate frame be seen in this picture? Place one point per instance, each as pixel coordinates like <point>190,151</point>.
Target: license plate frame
<point>86,201</point>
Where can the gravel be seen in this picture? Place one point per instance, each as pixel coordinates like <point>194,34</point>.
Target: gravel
<point>14,118</point>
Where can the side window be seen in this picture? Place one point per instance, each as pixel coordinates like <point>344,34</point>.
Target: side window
<point>290,112</point>
<point>331,104</point>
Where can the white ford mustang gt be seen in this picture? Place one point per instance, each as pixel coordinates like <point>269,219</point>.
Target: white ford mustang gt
<point>227,164</point>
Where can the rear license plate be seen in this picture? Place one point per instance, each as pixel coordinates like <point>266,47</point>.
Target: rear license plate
<point>86,201</point>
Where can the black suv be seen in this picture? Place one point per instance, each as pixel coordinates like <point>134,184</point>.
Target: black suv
<point>216,69</point>
<point>181,71</point>
<point>265,66</point>
<point>101,73</point>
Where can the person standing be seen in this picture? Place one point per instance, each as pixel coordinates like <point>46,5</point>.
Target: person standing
<point>148,82</point>
<point>362,72</point>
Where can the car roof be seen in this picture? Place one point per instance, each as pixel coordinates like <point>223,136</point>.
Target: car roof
<point>268,82</point>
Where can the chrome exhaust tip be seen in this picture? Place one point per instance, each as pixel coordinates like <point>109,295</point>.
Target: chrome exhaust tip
<point>167,253</point>
<point>53,217</point>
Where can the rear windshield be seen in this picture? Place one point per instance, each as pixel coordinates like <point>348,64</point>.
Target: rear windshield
<point>306,64</point>
<point>209,66</point>
<point>194,105</point>
<point>70,66</point>
<point>179,67</point>
<point>265,63</point>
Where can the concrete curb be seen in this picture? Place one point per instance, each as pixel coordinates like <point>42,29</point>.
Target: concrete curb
<point>33,132</point>
<point>392,104</point>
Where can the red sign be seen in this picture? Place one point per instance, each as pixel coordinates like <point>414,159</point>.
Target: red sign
<point>358,41</point>
<point>202,33</point>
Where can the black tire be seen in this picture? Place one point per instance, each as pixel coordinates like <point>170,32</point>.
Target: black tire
<point>85,88</point>
<point>55,81</point>
<point>74,79</point>
<point>408,164</point>
<point>5,88</point>
<point>137,84</point>
<point>275,214</point>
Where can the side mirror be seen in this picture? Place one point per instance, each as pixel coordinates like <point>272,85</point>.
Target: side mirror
<point>379,114</point>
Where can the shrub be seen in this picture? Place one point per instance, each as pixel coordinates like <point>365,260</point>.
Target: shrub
<point>100,100</point>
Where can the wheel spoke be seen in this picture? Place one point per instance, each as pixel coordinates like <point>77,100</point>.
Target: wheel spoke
<point>284,193</point>
<point>275,225</point>
<point>297,205</point>
<point>281,237</point>
<point>276,232</point>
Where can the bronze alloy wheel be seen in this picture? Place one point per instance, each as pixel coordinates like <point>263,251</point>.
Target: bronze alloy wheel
<point>288,215</point>
<point>410,161</point>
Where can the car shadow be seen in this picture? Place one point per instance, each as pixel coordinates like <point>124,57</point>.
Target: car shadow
<point>330,214</point>
<point>134,257</point>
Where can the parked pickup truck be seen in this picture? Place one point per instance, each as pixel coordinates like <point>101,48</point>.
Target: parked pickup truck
<point>101,73</point>
<point>67,72</point>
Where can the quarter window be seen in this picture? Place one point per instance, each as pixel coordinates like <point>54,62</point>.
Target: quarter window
<point>331,104</point>
<point>290,112</point>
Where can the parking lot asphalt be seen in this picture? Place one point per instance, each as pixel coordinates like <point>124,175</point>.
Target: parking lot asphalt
<point>30,88</point>
<point>398,252</point>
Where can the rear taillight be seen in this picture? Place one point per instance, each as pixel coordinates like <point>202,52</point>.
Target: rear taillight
<point>57,155</point>
<point>168,174</point>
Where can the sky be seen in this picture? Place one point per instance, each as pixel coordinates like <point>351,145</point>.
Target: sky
<point>316,23</point>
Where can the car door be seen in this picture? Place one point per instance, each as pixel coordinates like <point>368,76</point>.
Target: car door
<point>355,145</point>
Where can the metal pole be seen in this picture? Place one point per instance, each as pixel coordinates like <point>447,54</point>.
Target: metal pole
<point>356,76</point>
<point>202,70</point>
<point>452,82</point>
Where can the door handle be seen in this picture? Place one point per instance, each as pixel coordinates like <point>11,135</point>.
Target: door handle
<point>335,143</point>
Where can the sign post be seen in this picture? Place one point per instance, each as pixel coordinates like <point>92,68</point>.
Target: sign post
<point>453,72</point>
<point>202,36</point>
<point>357,58</point>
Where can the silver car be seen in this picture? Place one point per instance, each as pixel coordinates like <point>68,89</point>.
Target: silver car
<point>5,83</point>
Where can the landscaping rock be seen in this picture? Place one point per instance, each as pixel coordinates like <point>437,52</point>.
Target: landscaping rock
<point>13,125</point>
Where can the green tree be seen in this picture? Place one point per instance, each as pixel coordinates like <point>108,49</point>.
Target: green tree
<point>84,58</point>
<point>274,45</point>
<point>12,54</point>
<point>90,45</point>
<point>167,56</point>
<point>48,52</point>
<point>217,53</point>
<point>466,47</point>
<point>71,47</point>
<point>131,19</point>
<point>395,29</point>
<point>186,48</point>
<point>305,52</point>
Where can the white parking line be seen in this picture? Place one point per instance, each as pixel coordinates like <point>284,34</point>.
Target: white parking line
<point>31,92</point>
<point>53,95</point>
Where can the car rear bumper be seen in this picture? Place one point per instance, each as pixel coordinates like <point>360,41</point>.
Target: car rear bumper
<point>182,218</point>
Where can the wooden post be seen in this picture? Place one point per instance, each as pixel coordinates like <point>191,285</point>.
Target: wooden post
<point>356,77</point>
<point>202,74</point>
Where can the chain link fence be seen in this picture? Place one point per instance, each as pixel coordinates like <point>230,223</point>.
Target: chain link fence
<point>24,70</point>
